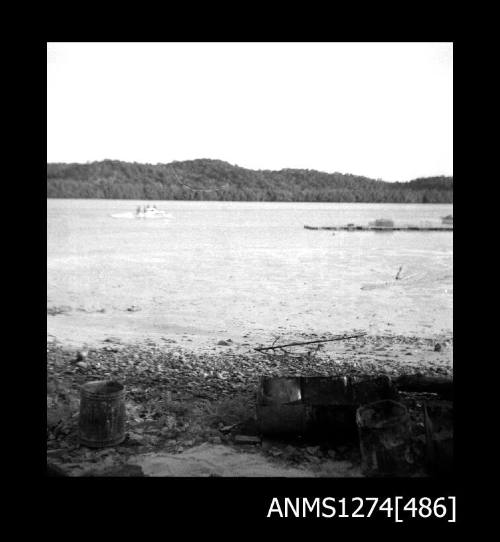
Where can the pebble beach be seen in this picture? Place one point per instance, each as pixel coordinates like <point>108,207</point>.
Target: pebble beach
<point>189,398</point>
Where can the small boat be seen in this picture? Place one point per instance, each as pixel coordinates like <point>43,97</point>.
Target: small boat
<point>149,211</point>
<point>447,219</point>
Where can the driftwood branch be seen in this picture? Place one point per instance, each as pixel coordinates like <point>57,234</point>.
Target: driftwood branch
<point>336,338</point>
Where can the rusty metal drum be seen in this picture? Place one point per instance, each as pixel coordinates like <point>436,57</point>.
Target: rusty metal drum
<point>102,414</point>
<point>384,438</point>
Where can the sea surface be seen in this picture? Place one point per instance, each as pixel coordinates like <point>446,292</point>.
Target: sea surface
<point>238,267</point>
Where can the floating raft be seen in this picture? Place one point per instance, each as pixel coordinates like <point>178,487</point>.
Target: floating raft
<point>381,228</point>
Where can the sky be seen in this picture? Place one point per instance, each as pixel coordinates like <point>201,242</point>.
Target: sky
<point>383,110</point>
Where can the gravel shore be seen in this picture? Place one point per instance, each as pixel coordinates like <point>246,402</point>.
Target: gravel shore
<point>182,394</point>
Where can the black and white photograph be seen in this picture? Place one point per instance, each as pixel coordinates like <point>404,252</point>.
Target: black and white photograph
<point>250,261</point>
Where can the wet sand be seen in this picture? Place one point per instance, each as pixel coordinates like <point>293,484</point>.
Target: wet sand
<point>79,329</point>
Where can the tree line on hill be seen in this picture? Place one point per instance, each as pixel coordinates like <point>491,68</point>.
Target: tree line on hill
<point>206,179</point>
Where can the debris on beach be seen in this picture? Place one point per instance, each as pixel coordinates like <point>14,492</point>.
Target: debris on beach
<point>315,341</point>
<point>177,399</point>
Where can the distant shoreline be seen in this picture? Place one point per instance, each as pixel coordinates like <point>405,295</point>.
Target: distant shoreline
<point>250,201</point>
<point>215,180</point>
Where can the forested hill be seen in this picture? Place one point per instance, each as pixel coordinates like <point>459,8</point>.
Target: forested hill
<point>216,180</point>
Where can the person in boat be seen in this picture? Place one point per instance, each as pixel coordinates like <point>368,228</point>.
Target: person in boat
<point>138,210</point>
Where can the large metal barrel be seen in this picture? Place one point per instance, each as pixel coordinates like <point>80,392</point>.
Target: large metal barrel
<point>384,438</point>
<point>318,406</point>
<point>102,414</point>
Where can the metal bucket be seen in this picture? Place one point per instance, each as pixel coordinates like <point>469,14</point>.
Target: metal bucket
<point>384,438</point>
<point>102,414</point>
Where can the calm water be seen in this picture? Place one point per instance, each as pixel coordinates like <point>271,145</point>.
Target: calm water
<point>217,266</point>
